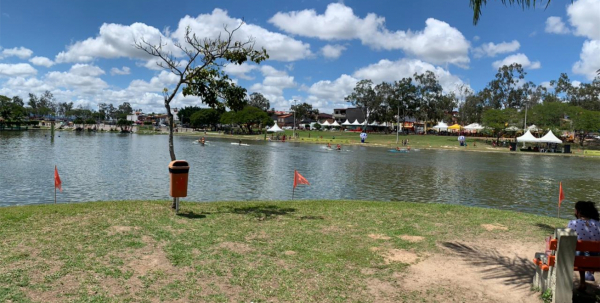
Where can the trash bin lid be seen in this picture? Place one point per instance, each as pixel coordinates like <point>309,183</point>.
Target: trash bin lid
<point>179,167</point>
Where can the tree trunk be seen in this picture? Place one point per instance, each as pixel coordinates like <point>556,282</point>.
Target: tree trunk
<point>170,116</point>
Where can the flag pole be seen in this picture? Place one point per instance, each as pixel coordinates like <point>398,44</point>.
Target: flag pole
<point>293,189</point>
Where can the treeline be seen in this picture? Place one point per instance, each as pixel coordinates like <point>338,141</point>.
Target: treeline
<point>507,100</point>
<point>45,106</point>
<point>252,112</point>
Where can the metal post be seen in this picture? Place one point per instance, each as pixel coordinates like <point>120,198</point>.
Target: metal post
<point>398,124</point>
<point>525,123</point>
<point>176,205</point>
<point>294,129</point>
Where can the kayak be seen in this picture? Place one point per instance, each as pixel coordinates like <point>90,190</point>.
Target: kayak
<point>398,151</point>
<point>243,144</point>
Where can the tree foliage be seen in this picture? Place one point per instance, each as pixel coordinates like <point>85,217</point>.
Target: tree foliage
<point>205,117</point>
<point>200,73</point>
<point>258,100</point>
<point>304,111</point>
<point>246,118</point>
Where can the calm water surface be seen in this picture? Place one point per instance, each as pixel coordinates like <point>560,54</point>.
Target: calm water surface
<point>116,166</point>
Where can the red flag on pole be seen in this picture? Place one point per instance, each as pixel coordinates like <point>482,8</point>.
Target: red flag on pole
<point>298,179</point>
<point>561,194</point>
<point>57,182</point>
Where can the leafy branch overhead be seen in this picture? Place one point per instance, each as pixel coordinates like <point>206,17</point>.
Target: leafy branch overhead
<point>200,71</point>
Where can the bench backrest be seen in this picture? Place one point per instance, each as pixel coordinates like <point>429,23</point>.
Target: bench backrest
<point>581,262</point>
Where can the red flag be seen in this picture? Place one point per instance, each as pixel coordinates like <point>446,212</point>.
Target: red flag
<point>57,182</point>
<point>298,179</point>
<point>561,194</point>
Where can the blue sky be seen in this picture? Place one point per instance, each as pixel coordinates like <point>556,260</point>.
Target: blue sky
<point>82,50</point>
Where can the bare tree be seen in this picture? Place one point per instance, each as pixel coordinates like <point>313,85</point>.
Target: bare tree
<point>200,70</point>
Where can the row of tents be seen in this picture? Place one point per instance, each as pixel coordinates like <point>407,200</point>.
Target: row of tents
<point>547,138</point>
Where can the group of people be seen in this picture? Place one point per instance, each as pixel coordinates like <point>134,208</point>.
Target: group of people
<point>587,226</point>
<point>338,147</point>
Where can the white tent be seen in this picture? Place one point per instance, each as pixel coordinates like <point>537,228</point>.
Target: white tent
<point>326,123</point>
<point>473,126</point>
<point>346,122</point>
<point>550,138</point>
<point>512,129</point>
<point>533,128</point>
<point>441,126</point>
<point>374,123</point>
<point>528,137</point>
<point>274,129</point>
<point>356,122</point>
<point>335,123</point>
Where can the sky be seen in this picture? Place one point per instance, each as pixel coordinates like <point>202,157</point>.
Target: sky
<point>82,51</point>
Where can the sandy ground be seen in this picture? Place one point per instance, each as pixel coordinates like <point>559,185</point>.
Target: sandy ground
<point>484,271</point>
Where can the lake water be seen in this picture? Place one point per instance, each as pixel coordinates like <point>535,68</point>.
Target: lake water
<point>107,166</point>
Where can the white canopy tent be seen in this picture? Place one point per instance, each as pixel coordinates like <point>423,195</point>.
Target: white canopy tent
<point>528,137</point>
<point>356,123</point>
<point>550,138</point>
<point>441,126</point>
<point>335,123</point>
<point>473,126</point>
<point>513,129</point>
<point>326,123</point>
<point>274,129</point>
<point>534,128</point>
<point>346,122</point>
<point>374,124</point>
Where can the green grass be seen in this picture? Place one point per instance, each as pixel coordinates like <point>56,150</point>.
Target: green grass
<point>303,251</point>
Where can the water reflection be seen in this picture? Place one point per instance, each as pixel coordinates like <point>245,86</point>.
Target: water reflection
<point>115,166</point>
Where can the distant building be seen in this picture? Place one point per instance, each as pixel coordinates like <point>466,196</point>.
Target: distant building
<point>285,120</point>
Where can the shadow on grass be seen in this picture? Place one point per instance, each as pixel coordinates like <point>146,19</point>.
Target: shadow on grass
<point>311,218</point>
<point>546,228</point>
<point>191,215</point>
<point>262,212</point>
<point>516,271</point>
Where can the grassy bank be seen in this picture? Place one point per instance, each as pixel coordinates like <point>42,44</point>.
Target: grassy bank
<point>304,251</point>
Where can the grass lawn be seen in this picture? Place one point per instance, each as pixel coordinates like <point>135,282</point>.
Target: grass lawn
<point>301,251</point>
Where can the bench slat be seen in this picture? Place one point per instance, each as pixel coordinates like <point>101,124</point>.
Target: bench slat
<point>592,246</point>
<point>587,262</point>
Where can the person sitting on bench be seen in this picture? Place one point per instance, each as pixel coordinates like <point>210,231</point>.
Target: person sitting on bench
<point>588,229</point>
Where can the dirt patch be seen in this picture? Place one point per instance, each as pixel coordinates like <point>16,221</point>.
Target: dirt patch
<point>289,253</point>
<point>411,239</point>
<point>236,247</point>
<point>490,271</point>
<point>381,291</point>
<point>490,227</point>
<point>379,237</point>
<point>260,236</point>
<point>119,229</point>
<point>400,255</point>
<point>331,230</point>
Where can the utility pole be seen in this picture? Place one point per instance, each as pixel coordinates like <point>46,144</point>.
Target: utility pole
<point>294,129</point>
<point>398,121</point>
<point>525,122</point>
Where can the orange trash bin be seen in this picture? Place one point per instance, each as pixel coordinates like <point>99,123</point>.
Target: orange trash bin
<point>179,170</point>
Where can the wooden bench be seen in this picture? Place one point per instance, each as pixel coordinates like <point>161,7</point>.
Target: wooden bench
<point>554,267</point>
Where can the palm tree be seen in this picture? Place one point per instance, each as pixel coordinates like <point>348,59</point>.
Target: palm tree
<point>476,5</point>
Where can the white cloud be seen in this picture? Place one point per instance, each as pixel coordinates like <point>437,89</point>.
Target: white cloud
<point>555,25</point>
<point>116,41</point>
<point>517,58</point>
<point>75,80</point>
<point>492,50</point>
<point>279,47</point>
<point>332,51</point>
<point>41,61</point>
<point>589,59</point>
<point>240,70</point>
<point>386,70</point>
<point>584,16</point>
<point>86,70</point>
<point>335,90</point>
<point>576,83</point>
<point>546,84</point>
<point>437,43</point>
<point>19,69</point>
<point>123,71</point>
<point>21,52</point>
<point>163,80</point>
<point>273,84</point>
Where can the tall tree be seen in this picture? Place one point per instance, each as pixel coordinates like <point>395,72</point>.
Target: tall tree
<point>200,74</point>
<point>429,93</point>
<point>185,114</point>
<point>304,111</point>
<point>504,91</point>
<point>584,123</point>
<point>258,100</point>
<point>364,97</point>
